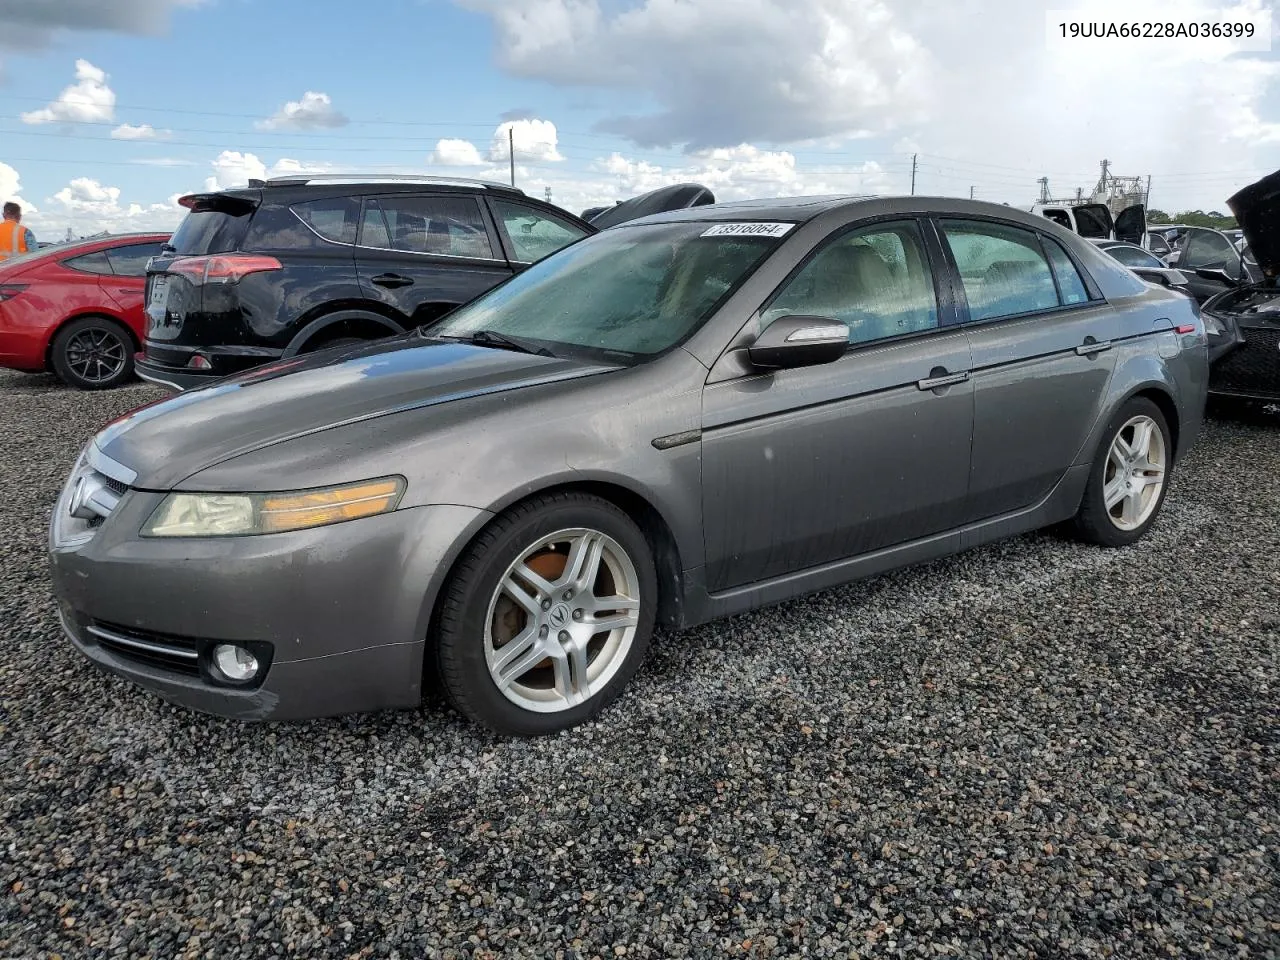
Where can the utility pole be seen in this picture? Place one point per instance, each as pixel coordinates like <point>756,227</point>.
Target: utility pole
<point>1044,189</point>
<point>913,174</point>
<point>548,194</point>
<point>1146,197</point>
<point>971,193</point>
<point>511,149</point>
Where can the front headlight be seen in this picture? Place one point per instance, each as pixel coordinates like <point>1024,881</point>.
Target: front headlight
<point>247,514</point>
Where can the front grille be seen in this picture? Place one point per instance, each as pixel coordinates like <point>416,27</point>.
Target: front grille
<point>1251,368</point>
<point>177,654</point>
<point>114,485</point>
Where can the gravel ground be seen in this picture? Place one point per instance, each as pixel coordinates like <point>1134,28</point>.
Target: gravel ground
<point>1036,749</point>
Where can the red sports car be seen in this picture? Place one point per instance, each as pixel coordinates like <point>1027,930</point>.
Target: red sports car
<point>76,308</point>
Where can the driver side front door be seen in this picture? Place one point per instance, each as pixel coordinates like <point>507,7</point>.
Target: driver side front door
<point>813,465</point>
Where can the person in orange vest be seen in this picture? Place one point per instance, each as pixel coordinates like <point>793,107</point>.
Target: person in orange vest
<point>14,237</point>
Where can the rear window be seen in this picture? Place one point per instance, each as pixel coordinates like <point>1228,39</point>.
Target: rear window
<point>210,231</point>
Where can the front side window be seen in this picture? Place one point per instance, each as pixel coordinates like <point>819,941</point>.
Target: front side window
<point>635,291</point>
<point>131,261</point>
<point>534,233</point>
<point>876,280</point>
<point>1208,250</point>
<point>1003,269</point>
<point>443,226</point>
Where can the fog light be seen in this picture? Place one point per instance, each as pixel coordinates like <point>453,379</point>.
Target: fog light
<point>199,362</point>
<point>235,663</point>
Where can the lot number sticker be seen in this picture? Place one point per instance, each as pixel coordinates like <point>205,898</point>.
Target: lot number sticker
<point>749,230</point>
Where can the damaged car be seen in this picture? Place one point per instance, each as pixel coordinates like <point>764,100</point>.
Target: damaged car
<point>1243,320</point>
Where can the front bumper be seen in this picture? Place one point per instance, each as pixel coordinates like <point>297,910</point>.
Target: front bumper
<point>344,609</point>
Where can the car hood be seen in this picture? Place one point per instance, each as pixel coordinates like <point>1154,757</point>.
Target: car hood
<point>167,441</point>
<point>1257,210</point>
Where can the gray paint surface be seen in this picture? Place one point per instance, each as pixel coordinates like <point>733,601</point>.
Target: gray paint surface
<point>785,482</point>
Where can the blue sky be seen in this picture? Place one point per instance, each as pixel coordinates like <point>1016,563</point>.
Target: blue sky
<point>611,97</point>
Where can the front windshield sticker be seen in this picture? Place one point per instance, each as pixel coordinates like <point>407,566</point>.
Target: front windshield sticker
<point>748,230</point>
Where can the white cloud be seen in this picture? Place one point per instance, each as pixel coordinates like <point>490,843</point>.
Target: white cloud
<point>141,131</point>
<point>88,100</point>
<point>724,73</point>
<point>315,111</point>
<point>11,188</point>
<point>974,80</point>
<point>533,140</point>
<point>235,169</point>
<point>87,207</point>
<point>456,153</point>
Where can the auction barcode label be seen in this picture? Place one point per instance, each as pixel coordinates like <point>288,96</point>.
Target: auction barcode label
<point>748,230</point>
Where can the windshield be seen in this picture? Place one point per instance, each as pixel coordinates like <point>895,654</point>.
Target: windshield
<point>634,290</point>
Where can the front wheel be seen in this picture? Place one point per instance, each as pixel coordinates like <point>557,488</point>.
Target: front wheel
<point>1129,477</point>
<point>547,615</point>
<point>93,353</point>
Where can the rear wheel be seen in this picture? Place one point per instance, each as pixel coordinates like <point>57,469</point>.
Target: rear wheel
<point>1129,477</point>
<point>547,615</point>
<point>93,353</point>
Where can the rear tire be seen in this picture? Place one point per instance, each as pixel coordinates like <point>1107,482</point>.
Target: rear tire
<point>93,353</point>
<point>1129,478</point>
<point>546,616</point>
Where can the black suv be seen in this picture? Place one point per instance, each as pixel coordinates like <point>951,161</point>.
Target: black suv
<point>293,264</point>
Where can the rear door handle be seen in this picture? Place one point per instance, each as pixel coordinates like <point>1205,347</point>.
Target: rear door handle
<point>392,280</point>
<point>942,380</point>
<point>1093,347</point>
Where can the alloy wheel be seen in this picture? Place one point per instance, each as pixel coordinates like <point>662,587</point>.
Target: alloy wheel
<point>96,355</point>
<point>562,620</point>
<point>1135,473</point>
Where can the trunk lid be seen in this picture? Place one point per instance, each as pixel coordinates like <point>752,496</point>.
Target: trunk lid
<point>216,224</point>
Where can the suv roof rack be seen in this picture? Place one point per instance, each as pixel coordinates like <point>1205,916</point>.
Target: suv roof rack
<point>349,178</point>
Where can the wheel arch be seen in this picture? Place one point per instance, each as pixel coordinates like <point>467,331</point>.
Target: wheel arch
<point>87,315</point>
<point>637,506</point>
<point>353,321</point>
<point>1159,394</point>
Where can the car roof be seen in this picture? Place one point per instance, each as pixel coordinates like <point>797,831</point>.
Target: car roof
<point>803,209</point>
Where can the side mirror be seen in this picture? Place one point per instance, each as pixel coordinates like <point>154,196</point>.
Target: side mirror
<point>1216,274</point>
<point>799,342</point>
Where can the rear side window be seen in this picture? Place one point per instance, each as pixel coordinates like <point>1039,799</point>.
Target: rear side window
<point>89,263</point>
<point>210,231</point>
<point>334,219</point>
<point>131,261</point>
<point>1071,286</point>
<point>444,226</point>
<point>1003,269</point>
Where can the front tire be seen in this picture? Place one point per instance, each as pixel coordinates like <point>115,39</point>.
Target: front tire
<point>93,353</point>
<point>1129,478</point>
<point>547,615</point>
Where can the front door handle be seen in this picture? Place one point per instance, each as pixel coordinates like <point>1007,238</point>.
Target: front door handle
<point>1092,347</point>
<point>392,280</point>
<point>939,378</point>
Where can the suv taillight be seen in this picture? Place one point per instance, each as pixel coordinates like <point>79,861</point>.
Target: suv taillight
<point>10,290</point>
<point>223,267</point>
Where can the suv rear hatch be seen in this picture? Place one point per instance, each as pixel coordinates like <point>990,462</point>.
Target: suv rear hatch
<point>204,250</point>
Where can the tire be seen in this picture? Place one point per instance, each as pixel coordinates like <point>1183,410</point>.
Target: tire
<point>479,617</point>
<point>93,353</point>
<point>1128,520</point>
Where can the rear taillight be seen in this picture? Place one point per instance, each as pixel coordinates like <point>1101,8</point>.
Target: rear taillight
<point>10,290</point>
<point>223,268</point>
